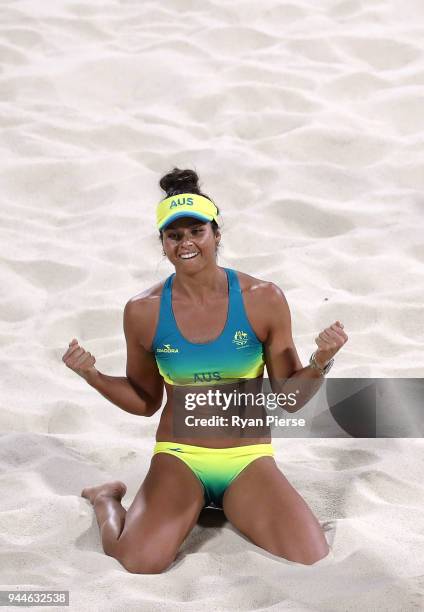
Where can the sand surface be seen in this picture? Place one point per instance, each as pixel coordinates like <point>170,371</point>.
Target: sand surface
<point>305,123</point>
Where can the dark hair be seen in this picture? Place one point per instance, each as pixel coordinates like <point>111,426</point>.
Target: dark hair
<point>184,181</point>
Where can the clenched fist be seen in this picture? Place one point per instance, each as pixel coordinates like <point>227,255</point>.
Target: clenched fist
<point>79,360</point>
<point>329,342</point>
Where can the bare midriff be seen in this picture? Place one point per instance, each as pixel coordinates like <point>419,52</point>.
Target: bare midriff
<point>165,431</point>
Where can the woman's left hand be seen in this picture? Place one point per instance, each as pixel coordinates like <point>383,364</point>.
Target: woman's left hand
<point>329,341</point>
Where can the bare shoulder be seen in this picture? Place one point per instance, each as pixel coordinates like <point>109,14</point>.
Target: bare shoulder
<point>259,291</point>
<point>264,302</point>
<point>148,295</point>
<point>141,314</point>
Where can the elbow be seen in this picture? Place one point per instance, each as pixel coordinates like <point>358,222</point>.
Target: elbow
<point>292,409</point>
<point>153,406</point>
<point>150,411</point>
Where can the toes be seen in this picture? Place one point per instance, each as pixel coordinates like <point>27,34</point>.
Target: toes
<point>86,493</point>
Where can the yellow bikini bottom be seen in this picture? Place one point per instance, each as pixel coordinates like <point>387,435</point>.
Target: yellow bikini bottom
<point>216,468</point>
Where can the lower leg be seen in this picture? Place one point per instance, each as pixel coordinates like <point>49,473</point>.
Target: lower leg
<point>110,514</point>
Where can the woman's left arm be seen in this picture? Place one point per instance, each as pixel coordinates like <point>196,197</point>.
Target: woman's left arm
<point>284,367</point>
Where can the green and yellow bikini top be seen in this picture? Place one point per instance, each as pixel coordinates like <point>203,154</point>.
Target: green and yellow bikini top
<point>235,354</point>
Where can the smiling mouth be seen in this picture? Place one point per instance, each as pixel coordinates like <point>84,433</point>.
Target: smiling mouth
<point>188,255</point>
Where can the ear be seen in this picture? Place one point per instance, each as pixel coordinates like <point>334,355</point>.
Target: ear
<point>218,237</point>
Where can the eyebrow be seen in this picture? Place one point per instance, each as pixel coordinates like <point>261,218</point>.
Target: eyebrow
<point>193,225</point>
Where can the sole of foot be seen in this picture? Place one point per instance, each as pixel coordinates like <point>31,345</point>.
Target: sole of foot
<point>115,489</point>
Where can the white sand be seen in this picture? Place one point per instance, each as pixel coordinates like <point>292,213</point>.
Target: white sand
<point>305,122</point>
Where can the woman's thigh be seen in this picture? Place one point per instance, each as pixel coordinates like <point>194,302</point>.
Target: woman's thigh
<point>263,505</point>
<point>164,510</point>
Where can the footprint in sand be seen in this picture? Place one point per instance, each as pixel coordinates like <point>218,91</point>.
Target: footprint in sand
<point>49,275</point>
<point>344,459</point>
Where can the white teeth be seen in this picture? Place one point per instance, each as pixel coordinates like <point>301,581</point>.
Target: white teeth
<point>188,255</point>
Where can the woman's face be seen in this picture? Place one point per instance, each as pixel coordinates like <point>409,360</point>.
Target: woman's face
<point>190,244</point>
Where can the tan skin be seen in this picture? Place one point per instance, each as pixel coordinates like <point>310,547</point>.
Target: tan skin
<point>260,502</point>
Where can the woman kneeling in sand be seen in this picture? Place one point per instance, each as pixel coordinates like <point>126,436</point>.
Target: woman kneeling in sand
<point>203,325</point>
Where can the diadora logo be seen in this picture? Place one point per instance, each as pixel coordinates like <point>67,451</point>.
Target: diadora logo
<point>240,338</point>
<point>167,349</point>
<point>181,202</point>
<point>206,376</point>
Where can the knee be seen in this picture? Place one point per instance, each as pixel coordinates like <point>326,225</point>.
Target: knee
<point>307,548</point>
<point>139,564</point>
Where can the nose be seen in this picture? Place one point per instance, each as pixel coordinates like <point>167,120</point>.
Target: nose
<point>186,238</point>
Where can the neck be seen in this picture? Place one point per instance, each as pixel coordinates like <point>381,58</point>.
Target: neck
<point>201,286</point>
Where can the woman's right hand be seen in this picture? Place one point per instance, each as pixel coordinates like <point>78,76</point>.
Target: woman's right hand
<point>79,360</point>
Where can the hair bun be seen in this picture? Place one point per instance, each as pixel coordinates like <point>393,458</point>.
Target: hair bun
<point>180,181</point>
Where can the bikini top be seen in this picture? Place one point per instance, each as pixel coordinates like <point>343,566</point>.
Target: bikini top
<point>235,354</point>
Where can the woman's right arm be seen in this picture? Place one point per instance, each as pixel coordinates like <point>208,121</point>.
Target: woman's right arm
<point>140,392</point>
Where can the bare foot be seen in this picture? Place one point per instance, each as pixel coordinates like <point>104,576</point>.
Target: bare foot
<point>115,488</point>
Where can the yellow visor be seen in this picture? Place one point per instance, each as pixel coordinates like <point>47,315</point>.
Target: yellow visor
<point>185,205</point>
